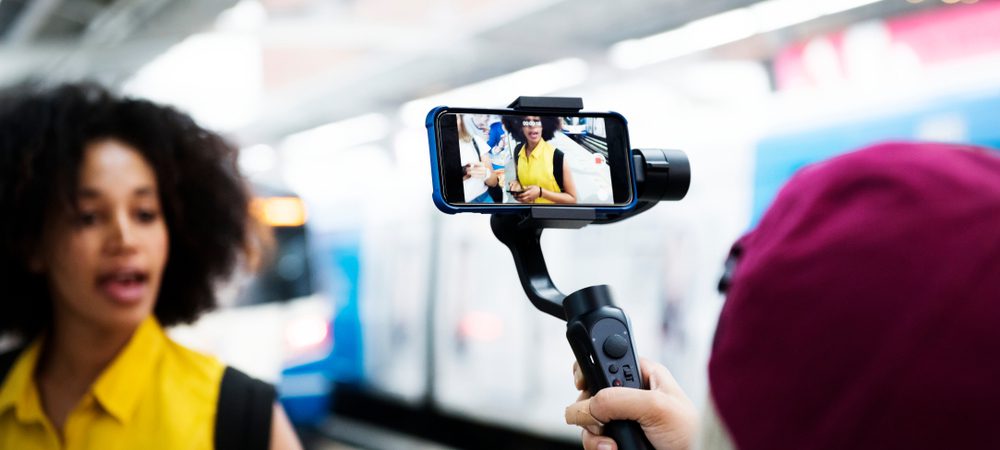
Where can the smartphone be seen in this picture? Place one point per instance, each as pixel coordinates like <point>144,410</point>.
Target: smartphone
<point>579,160</point>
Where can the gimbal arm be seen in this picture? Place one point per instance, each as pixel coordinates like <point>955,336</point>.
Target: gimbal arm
<point>598,332</point>
<point>522,235</point>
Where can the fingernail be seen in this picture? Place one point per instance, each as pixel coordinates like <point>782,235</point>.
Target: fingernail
<point>604,446</point>
<point>596,431</point>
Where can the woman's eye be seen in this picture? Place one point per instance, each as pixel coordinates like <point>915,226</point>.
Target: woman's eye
<point>147,216</point>
<point>86,218</point>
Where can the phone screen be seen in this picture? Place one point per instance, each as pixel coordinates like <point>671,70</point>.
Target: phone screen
<point>534,159</point>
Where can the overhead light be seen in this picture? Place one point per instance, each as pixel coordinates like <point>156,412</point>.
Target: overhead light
<point>777,14</point>
<point>245,15</point>
<point>257,158</point>
<point>693,37</point>
<point>723,28</point>
<point>342,134</point>
<point>223,94</point>
<point>834,7</point>
<point>536,80</point>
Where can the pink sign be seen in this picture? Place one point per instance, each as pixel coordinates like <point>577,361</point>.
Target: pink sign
<point>941,35</point>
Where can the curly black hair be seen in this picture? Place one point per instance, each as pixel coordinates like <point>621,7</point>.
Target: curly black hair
<point>43,132</point>
<point>513,125</point>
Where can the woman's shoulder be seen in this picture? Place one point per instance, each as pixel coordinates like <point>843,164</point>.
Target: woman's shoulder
<point>191,364</point>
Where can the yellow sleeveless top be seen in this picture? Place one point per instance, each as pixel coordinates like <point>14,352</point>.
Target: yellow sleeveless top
<point>155,394</point>
<point>536,169</point>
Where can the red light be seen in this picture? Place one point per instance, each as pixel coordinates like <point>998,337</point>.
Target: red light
<point>306,332</point>
<point>480,326</point>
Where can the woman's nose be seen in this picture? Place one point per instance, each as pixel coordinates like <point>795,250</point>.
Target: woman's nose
<point>122,232</point>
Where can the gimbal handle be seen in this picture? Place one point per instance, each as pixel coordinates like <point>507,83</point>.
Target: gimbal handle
<point>598,332</point>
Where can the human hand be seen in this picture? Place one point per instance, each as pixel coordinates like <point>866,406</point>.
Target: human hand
<point>477,170</point>
<point>466,169</point>
<point>664,412</point>
<point>529,194</point>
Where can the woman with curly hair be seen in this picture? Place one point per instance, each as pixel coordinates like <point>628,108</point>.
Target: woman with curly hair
<point>119,218</point>
<point>542,174</point>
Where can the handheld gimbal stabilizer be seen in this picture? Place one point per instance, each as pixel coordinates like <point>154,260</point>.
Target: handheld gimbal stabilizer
<point>598,331</point>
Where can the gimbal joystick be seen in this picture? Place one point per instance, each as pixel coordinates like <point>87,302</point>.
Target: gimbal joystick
<point>598,332</point>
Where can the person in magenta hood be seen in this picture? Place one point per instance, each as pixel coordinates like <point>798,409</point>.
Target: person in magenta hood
<point>863,312</point>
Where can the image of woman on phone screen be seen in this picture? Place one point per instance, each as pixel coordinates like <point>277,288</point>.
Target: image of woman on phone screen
<point>542,172</point>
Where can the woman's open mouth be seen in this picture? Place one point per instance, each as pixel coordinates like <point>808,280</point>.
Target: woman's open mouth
<point>124,286</point>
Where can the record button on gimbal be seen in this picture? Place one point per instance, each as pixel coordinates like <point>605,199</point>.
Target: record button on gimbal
<point>615,346</point>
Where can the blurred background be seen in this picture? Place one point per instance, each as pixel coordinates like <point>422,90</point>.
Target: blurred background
<point>386,324</point>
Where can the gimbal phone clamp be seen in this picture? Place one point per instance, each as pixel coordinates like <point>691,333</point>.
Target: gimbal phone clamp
<point>598,331</point>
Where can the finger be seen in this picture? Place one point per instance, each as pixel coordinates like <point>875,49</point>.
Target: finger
<point>618,403</point>
<point>656,377</point>
<point>579,381</point>
<point>593,441</point>
<point>579,414</point>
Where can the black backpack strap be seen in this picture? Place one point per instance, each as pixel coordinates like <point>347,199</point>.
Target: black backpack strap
<point>243,415</point>
<point>557,168</point>
<point>479,156</point>
<point>7,360</point>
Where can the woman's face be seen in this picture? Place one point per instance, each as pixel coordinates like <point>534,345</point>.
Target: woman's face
<point>105,262</point>
<point>532,127</point>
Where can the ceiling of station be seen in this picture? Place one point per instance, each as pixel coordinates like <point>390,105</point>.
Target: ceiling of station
<point>328,59</point>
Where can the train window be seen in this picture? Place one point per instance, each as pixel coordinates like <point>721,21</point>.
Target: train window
<point>287,274</point>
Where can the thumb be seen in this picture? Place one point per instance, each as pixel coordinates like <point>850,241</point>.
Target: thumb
<point>579,414</point>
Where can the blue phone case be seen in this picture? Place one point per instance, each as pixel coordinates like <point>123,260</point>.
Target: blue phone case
<point>447,208</point>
